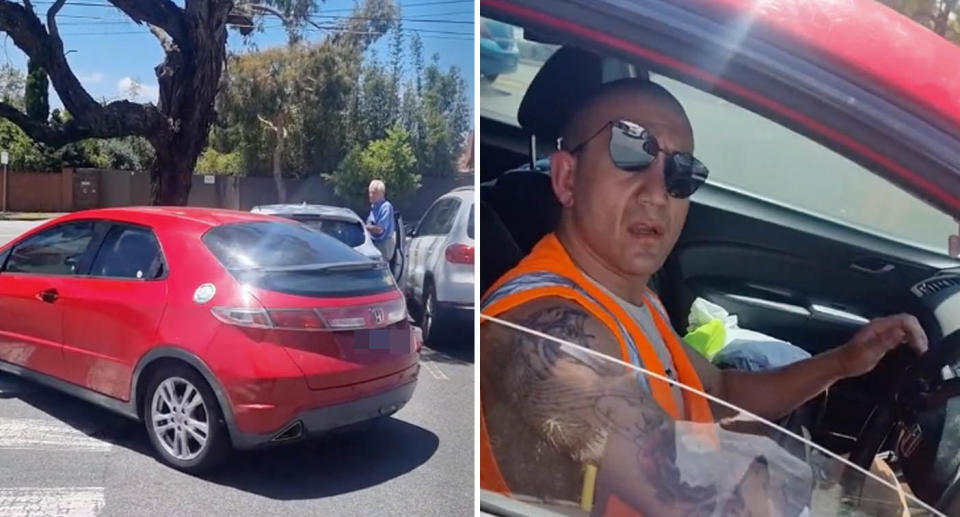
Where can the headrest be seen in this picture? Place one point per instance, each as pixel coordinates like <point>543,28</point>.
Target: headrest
<point>563,83</point>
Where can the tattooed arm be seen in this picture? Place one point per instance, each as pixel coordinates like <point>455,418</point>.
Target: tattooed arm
<point>590,409</point>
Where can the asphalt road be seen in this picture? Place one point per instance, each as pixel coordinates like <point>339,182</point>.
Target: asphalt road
<point>61,456</point>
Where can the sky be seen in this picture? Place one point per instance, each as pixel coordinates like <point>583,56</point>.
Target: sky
<point>110,54</point>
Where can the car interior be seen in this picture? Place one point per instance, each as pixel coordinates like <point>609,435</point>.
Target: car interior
<point>802,277</point>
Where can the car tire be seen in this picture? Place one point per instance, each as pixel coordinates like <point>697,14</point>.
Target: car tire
<point>177,406</point>
<point>432,322</point>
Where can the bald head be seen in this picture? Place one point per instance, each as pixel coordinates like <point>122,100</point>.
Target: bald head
<point>616,100</point>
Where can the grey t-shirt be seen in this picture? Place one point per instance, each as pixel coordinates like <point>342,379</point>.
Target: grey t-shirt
<point>642,317</point>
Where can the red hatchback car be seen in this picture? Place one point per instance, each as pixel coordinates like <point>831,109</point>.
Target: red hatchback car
<point>216,328</point>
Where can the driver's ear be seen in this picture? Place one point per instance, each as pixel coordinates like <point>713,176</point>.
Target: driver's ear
<point>563,167</point>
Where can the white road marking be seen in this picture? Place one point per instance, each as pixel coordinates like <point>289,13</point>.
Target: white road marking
<point>32,434</point>
<point>434,370</point>
<point>42,502</point>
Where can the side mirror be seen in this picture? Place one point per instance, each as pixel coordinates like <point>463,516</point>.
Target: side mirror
<point>410,229</point>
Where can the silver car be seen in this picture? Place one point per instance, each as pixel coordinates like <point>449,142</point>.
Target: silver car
<point>439,278</point>
<point>339,222</point>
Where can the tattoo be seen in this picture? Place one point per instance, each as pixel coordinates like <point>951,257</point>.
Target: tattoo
<point>577,401</point>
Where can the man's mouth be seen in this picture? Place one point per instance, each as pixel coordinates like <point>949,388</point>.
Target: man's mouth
<point>645,230</point>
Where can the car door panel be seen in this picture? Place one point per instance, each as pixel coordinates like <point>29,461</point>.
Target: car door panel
<point>800,266</point>
<point>32,279</point>
<point>107,326</point>
<point>30,328</point>
<point>111,314</point>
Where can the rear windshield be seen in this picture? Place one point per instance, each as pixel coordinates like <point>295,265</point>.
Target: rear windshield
<point>347,232</point>
<point>290,258</point>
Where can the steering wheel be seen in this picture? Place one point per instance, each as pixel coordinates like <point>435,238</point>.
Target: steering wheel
<point>916,385</point>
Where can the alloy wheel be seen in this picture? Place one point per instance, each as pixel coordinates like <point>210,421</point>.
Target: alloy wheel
<point>179,418</point>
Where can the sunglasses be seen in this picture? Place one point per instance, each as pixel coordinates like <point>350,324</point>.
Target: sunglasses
<point>633,149</point>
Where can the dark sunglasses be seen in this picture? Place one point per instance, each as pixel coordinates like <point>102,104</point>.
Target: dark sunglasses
<point>633,149</point>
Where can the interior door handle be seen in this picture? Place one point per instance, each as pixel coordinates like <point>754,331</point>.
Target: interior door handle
<point>872,266</point>
<point>48,296</point>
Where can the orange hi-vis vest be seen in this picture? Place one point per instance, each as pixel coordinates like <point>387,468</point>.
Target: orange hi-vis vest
<point>548,271</point>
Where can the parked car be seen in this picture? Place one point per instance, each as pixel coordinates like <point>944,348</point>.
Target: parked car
<point>439,275</point>
<point>218,329</point>
<point>342,223</point>
<point>499,53</point>
<point>834,184</point>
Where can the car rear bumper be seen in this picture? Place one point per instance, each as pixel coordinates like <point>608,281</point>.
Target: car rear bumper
<point>319,420</point>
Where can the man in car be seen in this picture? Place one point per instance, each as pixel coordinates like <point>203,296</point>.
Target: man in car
<point>380,220</point>
<point>623,172</point>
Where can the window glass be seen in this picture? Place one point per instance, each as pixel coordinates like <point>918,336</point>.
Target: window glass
<point>447,217</point>
<point>56,251</point>
<point>470,223</point>
<point>430,222</point>
<point>751,153</point>
<point>348,232</point>
<point>508,63</point>
<point>290,258</point>
<point>128,252</point>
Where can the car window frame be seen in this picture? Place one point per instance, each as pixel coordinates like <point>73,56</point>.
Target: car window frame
<point>110,226</point>
<point>83,264</point>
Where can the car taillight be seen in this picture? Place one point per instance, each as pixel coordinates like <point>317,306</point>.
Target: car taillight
<point>243,317</point>
<point>351,317</point>
<point>416,336</point>
<point>460,254</point>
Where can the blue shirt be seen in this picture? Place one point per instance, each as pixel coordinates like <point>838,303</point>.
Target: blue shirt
<point>381,214</point>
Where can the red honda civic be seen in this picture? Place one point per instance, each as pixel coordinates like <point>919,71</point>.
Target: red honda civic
<point>217,329</point>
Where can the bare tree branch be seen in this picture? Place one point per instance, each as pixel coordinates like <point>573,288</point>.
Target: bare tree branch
<point>91,118</point>
<point>165,40</point>
<point>161,13</point>
<point>125,119</point>
<point>52,19</point>
<point>266,9</point>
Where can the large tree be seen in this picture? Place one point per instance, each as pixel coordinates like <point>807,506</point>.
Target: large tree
<point>284,107</point>
<point>194,39</point>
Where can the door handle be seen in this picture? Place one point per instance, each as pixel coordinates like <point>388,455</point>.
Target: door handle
<point>48,296</point>
<point>872,266</point>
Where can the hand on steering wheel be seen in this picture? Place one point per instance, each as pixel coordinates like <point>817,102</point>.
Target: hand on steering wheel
<point>868,346</point>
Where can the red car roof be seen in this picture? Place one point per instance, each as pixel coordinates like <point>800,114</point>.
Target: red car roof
<point>869,39</point>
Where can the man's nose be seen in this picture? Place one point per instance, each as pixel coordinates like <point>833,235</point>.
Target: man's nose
<point>652,187</point>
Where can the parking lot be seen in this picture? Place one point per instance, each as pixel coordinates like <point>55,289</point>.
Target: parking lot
<point>62,456</point>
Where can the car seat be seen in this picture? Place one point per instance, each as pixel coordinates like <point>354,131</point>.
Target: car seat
<point>500,252</point>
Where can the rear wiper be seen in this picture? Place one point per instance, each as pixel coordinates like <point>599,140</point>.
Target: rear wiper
<point>356,265</point>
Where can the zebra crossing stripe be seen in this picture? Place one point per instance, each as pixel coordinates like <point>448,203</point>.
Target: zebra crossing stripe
<point>42,502</point>
<point>42,435</point>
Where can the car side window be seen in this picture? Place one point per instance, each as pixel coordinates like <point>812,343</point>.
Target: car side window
<point>447,217</point>
<point>429,223</point>
<point>748,152</point>
<point>56,251</point>
<point>129,252</point>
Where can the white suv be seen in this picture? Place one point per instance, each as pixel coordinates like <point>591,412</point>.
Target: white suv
<point>439,270</point>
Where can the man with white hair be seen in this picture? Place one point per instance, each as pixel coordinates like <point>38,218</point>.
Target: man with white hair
<point>380,220</point>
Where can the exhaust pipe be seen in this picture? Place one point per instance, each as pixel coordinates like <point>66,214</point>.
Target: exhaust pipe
<point>292,432</point>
